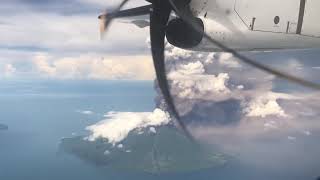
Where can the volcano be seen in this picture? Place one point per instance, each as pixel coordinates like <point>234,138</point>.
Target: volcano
<point>164,151</point>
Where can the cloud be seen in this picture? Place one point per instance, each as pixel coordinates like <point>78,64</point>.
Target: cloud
<point>94,67</point>
<point>217,90</point>
<point>226,59</point>
<point>66,34</point>
<point>153,130</point>
<point>189,80</point>
<point>65,30</point>
<point>262,122</point>
<point>198,86</point>
<point>29,65</point>
<point>120,146</point>
<point>86,112</point>
<point>71,34</point>
<point>216,93</point>
<point>70,28</point>
<point>118,125</point>
<point>43,66</point>
<point>9,70</point>
<point>192,68</point>
<point>266,105</point>
<point>176,53</point>
<point>62,7</point>
<point>113,3</point>
<point>237,109</point>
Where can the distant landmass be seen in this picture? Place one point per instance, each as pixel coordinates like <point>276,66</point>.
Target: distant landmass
<point>166,151</point>
<point>3,127</point>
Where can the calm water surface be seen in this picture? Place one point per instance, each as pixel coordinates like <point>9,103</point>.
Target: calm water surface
<point>40,113</point>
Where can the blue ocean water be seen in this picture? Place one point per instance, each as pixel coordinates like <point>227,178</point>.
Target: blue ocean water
<point>40,113</point>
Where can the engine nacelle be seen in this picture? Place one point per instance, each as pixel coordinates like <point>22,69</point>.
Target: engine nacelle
<point>182,35</point>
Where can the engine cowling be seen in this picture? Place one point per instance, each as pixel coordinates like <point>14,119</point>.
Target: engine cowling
<point>182,35</point>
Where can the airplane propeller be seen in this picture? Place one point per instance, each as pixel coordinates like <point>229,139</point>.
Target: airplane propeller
<point>106,19</point>
<point>159,12</point>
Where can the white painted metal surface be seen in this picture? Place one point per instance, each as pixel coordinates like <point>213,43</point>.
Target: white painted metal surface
<point>231,22</point>
<point>311,25</point>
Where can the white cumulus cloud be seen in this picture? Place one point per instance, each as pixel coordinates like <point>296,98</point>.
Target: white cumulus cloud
<point>118,125</point>
<point>266,105</point>
<point>94,67</point>
<point>197,86</point>
<point>226,59</point>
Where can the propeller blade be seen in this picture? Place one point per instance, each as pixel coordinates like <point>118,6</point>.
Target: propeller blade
<point>106,20</point>
<point>103,19</point>
<point>138,11</point>
<point>159,16</point>
<point>245,59</point>
<point>158,20</point>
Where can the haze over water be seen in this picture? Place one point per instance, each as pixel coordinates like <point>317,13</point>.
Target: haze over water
<point>39,114</point>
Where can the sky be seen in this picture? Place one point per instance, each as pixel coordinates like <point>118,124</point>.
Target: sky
<point>59,39</point>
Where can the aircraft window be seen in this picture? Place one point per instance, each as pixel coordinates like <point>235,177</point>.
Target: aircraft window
<point>276,20</point>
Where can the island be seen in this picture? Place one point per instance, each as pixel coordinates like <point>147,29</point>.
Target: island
<point>167,151</point>
<point>3,127</point>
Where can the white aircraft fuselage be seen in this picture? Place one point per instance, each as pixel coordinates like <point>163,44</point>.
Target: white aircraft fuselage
<point>259,25</point>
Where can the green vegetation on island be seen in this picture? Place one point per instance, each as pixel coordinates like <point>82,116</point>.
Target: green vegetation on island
<point>166,151</point>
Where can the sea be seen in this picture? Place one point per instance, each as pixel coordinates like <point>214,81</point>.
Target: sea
<point>41,113</point>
